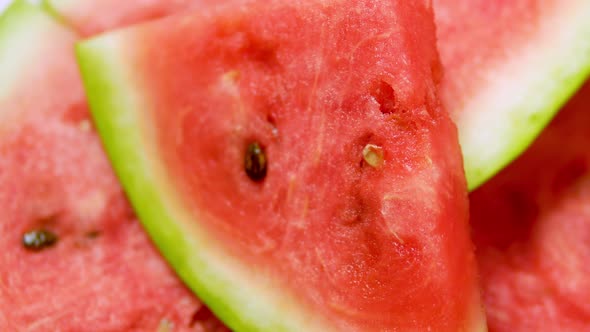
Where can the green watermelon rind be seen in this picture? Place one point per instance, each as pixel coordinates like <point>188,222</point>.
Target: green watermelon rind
<point>533,87</point>
<point>52,10</point>
<point>115,103</point>
<point>53,7</point>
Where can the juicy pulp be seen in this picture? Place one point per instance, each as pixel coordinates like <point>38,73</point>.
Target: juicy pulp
<point>508,65</point>
<point>326,241</point>
<point>532,230</point>
<point>103,271</point>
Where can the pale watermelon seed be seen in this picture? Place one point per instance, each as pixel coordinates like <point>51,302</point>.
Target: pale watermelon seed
<point>373,155</point>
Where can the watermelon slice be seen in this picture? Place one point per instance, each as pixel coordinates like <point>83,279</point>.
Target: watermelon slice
<point>532,230</point>
<point>292,162</point>
<point>508,67</point>
<point>72,256</point>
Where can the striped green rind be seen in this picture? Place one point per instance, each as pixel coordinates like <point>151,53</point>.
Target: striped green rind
<point>246,300</point>
<point>505,116</point>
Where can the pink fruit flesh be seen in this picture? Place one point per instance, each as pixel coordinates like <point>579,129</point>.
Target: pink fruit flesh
<point>532,230</point>
<point>475,37</point>
<point>102,274</point>
<point>366,247</point>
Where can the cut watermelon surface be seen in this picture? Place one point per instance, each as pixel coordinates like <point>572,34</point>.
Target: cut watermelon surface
<point>532,230</point>
<point>73,257</point>
<point>509,65</point>
<point>292,162</point>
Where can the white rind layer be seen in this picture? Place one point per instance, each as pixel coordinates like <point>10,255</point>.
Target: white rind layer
<point>522,95</point>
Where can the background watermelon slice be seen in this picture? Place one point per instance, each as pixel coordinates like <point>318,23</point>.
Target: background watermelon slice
<point>359,220</point>
<point>509,65</point>
<point>102,274</point>
<point>532,230</point>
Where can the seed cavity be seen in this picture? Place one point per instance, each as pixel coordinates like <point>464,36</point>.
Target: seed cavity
<point>262,52</point>
<point>37,240</point>
<point>373,155</point>
<point>255,162</point>
<point>273,123</point>
<point>93,234</point>
<point>203,314</point>
<point>385,96</point>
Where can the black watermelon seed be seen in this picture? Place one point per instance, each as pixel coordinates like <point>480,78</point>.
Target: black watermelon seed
<point>37,240</point>
<point>255,162</point>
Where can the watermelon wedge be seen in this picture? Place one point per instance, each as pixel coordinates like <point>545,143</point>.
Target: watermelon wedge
<point>509,65</point>
<point>292,162</point>
<point>532,230</point>
<point>73,257</point>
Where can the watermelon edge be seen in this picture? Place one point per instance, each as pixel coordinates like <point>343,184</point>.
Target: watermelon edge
<point>200,262</point>
<point>526,115</point>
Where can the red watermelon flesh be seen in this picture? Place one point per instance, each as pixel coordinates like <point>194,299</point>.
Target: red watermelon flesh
<point>490,32</point>
<point>316,83</point>
<point>102,274</point>
<point>532,230</point>
<point>507,68</point>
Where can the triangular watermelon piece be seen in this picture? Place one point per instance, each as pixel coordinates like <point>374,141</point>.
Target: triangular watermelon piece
<point>72,257</point>
<point>509,65</point>
<point>292,162</point>
<point>532,230</point>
